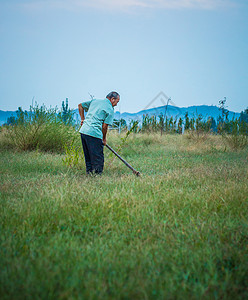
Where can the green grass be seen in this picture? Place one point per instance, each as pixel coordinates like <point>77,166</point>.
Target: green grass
<point>178,232</point>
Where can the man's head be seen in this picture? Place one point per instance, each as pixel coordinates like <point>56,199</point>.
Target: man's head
<point>114,98</point>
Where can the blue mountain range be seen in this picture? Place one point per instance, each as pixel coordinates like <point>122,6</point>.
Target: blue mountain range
<point>173,111</point>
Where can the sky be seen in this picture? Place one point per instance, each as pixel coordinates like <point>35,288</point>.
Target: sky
<point>194,51</point>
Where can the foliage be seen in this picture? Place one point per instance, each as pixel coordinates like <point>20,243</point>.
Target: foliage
<point>40,128</point>
<point>236,137</point>
<point>187,122</point>
<point>73,156</point>
<point>244,116</point>
<point>11,120</point>
<point>223,119</point>
<point>119,124</point>
<point>133,129</point>
<point>198,127</point>
<point>66,115</point>
<point>149,124</point>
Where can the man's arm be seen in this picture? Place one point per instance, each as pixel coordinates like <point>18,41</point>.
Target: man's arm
<point>104,132</point>
<point>81,112</point>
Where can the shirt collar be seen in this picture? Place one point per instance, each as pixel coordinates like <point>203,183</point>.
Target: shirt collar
<point>109,102</point>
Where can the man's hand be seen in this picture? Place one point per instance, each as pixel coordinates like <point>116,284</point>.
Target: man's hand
<point>82,121</point>
<point>104,142</point>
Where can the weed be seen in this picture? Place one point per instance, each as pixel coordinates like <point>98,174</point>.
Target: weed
<point>73,156</point>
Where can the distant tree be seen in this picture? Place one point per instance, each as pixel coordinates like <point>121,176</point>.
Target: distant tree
<point>223,109</point>
<point>154,124</point>
<point>175,125</point>
<point>199,123</point>
<point>244,115</point>
<point>192,123</point>
<point>180,125</point>
<point>11,120</point>
<point>187,122</point>
<point>161,123</point>
<point>66,114</point>
<point>213,125</point>
<point>166,124</point>
<point>171,123</point>
<point>223,118</point>
<point>119,123</point>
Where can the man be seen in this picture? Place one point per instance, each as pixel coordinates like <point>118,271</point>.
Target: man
<point>100,114</point>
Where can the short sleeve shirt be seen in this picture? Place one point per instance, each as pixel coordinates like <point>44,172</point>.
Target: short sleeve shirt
<point>99,111</point>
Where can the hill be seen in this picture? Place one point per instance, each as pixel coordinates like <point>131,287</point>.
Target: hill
<point>173,111</point>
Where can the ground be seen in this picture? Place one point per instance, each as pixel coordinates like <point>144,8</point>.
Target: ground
<point>177,232</point>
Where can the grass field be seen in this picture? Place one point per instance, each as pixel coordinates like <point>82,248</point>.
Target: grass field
<point>178,232</point>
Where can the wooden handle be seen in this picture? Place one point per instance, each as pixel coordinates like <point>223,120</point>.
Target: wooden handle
<point>137,173</point>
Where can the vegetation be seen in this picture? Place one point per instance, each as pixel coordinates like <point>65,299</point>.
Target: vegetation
<point>177,232</point>
<point>47,129</point>
<point>39,128</point>
<point>234,132</point>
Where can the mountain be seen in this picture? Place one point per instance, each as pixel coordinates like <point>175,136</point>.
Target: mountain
<point>4,115</point>
<point>172,111</point>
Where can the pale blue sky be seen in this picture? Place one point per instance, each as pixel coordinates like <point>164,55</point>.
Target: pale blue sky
<point>195,51</point>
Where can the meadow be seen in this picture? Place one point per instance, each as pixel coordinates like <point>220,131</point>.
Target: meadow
<point>180,231</point>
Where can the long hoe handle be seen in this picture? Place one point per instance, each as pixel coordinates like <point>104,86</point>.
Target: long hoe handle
<point>137,173</point>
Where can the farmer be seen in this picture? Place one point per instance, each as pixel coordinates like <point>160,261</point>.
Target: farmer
<point>100,114</point>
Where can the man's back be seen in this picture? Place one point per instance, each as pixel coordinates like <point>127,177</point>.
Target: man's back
<point>98,112</point>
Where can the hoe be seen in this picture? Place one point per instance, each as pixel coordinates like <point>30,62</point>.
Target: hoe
<point>137,173</point>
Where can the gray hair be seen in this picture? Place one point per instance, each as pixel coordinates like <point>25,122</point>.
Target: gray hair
<point>112,95</point>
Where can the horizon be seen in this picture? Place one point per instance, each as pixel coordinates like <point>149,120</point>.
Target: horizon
<point>117,111</point>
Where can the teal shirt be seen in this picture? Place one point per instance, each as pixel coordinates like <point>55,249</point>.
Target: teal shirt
<point>98,112</point>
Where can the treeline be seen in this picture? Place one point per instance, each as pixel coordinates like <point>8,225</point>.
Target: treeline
<point>52,129</point>
<point>170,125</point>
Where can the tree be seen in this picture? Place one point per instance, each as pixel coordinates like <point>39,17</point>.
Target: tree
<point>244,115</point>
<point>187,122</point>
<point>180,125</point>
<point>213,125</point>
<point>66,114</point>
<point>119,123</point>
<point>11,120</point>
<point>223,119</point>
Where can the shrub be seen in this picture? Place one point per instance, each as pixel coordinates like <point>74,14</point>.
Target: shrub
<point>196,135</point>
<point>73,156</point>
<point>236,138</point>
<point>236,142</point>
<point>39,128</point>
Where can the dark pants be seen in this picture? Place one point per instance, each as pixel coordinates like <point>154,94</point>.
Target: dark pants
<point>93,153</point>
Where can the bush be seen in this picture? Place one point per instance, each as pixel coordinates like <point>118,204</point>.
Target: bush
<point>74,156</point>
<point>197,135</point>
<point>39,128</point>
<point>236,136</point>
<point>236,142</point>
